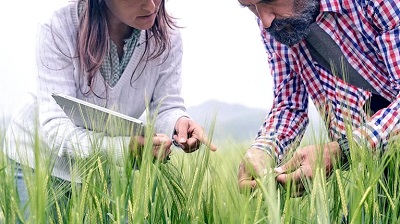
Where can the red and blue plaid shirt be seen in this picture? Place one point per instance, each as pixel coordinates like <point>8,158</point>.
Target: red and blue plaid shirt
<point>368,34</point>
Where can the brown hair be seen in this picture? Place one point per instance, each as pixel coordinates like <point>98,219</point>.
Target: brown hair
<point>93,38</point>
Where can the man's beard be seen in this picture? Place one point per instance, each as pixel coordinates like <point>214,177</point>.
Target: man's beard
<point>291,31</point>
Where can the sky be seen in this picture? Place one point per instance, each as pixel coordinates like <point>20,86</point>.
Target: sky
<point>223,58</point>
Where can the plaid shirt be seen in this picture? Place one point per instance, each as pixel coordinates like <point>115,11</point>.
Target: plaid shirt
<point>368,34</point>
<point>112,67</point>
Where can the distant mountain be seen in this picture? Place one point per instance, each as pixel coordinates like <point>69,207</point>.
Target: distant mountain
<point>232,121</point>
<point>240,123</point>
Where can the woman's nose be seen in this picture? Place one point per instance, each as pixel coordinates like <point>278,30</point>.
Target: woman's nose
<point>148,5</point>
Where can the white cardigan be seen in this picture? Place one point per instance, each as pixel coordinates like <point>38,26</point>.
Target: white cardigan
<point>157,83</point>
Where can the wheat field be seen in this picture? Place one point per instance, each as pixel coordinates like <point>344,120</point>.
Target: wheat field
<point>201,187</point>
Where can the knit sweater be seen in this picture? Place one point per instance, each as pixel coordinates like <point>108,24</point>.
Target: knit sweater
<point>156,83</point>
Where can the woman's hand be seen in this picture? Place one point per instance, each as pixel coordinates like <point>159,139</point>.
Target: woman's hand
<point>189,135</point>
<point>161,146</point>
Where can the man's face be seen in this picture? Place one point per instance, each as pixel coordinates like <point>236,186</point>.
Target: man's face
<point>286,20</point>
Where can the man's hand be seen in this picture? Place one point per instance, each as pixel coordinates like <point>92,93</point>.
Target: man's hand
<point>254,164</point>
<point>303,162</point>
<point>189,135</point>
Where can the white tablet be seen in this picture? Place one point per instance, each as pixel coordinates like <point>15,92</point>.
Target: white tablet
<point>97,118</point>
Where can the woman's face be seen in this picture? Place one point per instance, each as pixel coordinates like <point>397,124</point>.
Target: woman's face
<point>139,14</point>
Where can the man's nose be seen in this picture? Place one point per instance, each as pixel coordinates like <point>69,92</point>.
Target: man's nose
<point>266,16</point>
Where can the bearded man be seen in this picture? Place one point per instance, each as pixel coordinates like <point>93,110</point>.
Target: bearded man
<point>344,56</point>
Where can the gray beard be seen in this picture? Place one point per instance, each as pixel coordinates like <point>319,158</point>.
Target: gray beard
<point>291,31</point>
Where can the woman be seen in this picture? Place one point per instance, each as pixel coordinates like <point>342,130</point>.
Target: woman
<point>119,54</point>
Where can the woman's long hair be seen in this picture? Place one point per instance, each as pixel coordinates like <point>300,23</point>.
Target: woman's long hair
<point>93,38</point>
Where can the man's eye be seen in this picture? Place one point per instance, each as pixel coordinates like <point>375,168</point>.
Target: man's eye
<point>248,6</point>
<point>267,1</point>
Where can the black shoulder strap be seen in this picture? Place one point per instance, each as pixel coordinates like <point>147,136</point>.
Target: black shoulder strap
<point>328,54</point>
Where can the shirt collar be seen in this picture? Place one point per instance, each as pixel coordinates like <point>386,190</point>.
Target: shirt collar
<point>134,36</point>
<point>332,5</point>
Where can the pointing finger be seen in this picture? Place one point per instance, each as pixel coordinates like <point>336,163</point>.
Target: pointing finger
<point>204,139</point>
